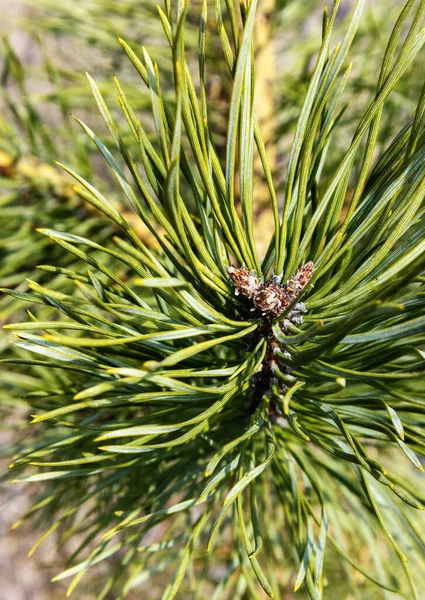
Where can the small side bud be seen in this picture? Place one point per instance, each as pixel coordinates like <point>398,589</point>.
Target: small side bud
<point>297,282</point>
<point>245,281</point>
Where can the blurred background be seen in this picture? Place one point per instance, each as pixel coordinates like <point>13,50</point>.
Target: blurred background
<point>46,47</point>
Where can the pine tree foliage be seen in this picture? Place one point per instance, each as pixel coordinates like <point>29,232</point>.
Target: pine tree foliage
<point>31,190</point>
<point>245,407</point>
<point>36,102</point>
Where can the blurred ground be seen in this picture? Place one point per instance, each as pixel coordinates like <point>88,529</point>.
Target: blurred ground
<point>21,578</point>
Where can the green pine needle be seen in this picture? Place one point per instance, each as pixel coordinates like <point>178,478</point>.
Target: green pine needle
<point>251,407</point>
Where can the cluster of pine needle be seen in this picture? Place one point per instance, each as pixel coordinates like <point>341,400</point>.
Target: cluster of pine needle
<point>198,403</point>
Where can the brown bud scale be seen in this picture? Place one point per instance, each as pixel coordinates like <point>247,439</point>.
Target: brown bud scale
<point>270,299</point>
<point>246,282</point>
